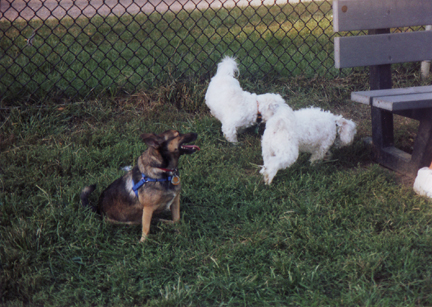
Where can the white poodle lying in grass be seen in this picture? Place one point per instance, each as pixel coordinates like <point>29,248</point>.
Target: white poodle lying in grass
<point>310,130</point>
<point>235,108</point>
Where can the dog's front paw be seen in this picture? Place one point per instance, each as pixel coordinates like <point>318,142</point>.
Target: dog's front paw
<point>143,238</point>
<point>232,138</point>
<point>266,176</point>
<point>267,179</point>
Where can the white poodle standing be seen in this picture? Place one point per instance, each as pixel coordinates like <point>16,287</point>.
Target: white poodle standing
<point>309,130</point>
<point>235,108</point>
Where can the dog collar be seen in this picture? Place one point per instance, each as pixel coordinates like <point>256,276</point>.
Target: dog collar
<point>259,116</point>
<point>175,180</point>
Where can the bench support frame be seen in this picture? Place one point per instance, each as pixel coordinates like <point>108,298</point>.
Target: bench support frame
<point>384,151</point>
<point>389,156</point>
<point>379,50</point>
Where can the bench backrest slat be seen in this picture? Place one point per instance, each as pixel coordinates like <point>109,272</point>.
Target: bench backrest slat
<point>367,50</point>
<point>351,15</point>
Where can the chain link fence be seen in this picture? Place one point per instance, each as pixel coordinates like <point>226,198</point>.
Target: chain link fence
<point>66,48</point>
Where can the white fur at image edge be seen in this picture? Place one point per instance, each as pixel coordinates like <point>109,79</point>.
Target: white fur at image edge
<point>423,182</point>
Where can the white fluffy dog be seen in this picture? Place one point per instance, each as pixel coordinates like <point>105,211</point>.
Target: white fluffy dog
<point>423,182</point>
<point>310,130</point>
<point>235,108</point>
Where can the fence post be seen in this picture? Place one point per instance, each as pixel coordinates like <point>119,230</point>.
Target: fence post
<point>425,65</point>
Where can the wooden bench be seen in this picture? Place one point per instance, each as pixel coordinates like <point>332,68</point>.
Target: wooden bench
<point>379,50</point>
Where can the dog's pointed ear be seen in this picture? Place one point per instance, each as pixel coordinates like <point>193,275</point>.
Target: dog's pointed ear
<point>151,139</point>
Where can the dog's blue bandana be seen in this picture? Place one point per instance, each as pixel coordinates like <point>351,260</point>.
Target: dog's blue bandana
<point>175,180</point>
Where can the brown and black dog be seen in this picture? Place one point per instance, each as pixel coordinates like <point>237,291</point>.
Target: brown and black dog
<point>152,186</point>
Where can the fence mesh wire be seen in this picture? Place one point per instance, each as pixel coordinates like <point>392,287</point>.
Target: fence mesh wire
<point>76,48</point>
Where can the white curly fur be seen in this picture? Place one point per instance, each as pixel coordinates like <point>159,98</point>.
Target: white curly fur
<point>235,108</point>
<point>423,182</point>
<point>309,130</point>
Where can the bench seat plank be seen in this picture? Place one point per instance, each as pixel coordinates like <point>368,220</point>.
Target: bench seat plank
<point>368,50</point>
<point>349,15</point>
<point>403,102</point>
<point>366,97</point>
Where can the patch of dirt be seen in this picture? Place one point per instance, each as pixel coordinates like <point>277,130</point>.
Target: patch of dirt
<point>404,180</point>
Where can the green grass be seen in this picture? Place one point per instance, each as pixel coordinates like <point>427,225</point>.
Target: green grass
<point>87,57</point>
<point>342,233</point>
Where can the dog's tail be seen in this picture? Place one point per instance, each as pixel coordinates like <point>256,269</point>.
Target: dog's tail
<point>227,67</point>
<point>85,193</point>
<point>346,130</point>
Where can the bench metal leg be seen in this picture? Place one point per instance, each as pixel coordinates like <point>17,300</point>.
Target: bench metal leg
<point>382,127</point>
<point>422,152</point>
<point>387,155</point>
